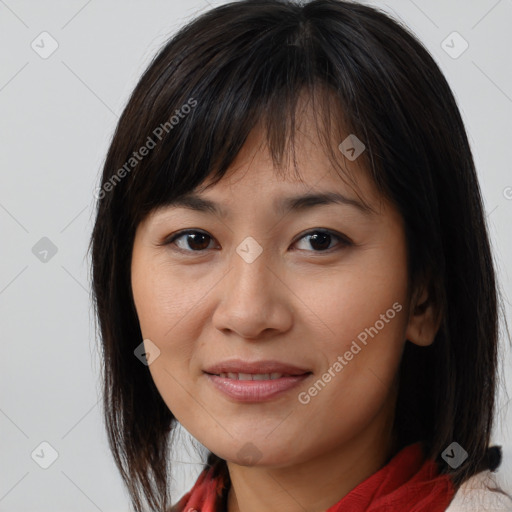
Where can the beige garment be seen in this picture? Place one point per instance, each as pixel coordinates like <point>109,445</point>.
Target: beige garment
<point>473,496</point>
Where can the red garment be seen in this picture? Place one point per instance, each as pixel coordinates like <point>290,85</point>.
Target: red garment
<point>407,483</point>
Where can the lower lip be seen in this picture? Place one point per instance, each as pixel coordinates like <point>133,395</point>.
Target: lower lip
<point>255,390</point>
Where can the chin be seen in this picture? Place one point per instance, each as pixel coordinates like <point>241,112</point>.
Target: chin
<point>250,455</point>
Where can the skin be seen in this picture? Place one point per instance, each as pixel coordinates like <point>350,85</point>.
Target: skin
<point>297,303</point>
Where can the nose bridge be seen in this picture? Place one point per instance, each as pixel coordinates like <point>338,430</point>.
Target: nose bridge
<point>252,299</point>
<point>250,270</point>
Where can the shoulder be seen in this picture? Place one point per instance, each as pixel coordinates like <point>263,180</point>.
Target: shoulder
<point>475,495</point>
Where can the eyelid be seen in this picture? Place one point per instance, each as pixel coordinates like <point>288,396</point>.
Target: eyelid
<point>343,240</point>
<point>168,240</point>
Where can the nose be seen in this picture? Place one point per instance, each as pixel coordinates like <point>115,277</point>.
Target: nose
<point>254,302</point>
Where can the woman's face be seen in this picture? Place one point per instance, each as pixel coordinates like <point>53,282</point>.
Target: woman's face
<point>263,283</point>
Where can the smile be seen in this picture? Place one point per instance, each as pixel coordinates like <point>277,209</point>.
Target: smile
<point>246,387</point>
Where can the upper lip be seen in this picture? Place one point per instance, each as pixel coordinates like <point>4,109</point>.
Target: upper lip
<point>254,367</point>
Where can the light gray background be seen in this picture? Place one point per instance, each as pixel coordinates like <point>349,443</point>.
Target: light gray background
<point>57,116</point>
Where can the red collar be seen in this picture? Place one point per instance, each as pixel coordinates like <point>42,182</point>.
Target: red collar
<point>408,483</point>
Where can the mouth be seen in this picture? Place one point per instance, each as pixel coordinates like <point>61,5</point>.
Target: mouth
<point>255,381</point>
<point>256,376</point>
<point>255,370</point>
<point>255,387</point>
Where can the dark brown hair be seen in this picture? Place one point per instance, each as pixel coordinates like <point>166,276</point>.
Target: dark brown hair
<point>247,62</point>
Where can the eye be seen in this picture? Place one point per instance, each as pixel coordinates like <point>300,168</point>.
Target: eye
<point>198,241</point>
<point>320,239</point>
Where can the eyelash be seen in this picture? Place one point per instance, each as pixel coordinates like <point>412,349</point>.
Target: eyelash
<point>343,240</point>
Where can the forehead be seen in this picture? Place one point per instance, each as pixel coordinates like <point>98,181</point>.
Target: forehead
<point>253,184</point>
<point>308,172</point>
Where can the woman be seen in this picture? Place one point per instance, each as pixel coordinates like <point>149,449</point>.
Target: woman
<point>290,258</point>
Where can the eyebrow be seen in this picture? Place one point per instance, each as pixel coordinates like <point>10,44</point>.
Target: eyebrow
<point>282,206</point>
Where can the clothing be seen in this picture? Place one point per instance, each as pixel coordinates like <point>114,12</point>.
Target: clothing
<point>408,482</point>
<point>476,494</point>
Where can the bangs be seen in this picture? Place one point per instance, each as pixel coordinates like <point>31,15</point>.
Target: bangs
<point>196,105</point>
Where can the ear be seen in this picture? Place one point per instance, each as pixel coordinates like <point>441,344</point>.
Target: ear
<point>424,319</point>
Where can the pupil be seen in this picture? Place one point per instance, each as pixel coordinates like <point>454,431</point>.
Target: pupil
<point>322,236</point>
<point>195,237</point>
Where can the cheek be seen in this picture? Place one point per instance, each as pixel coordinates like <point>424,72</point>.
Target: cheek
<point>166,303</point>
<point>161,298</point>
<point>361,361</point>
<point>362,299</point>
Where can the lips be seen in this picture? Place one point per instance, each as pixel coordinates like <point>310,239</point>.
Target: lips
<point>253,376</point>
<point>258,368</point>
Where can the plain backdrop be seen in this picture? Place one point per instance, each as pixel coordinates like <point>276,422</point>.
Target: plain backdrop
<point>57,115</point>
